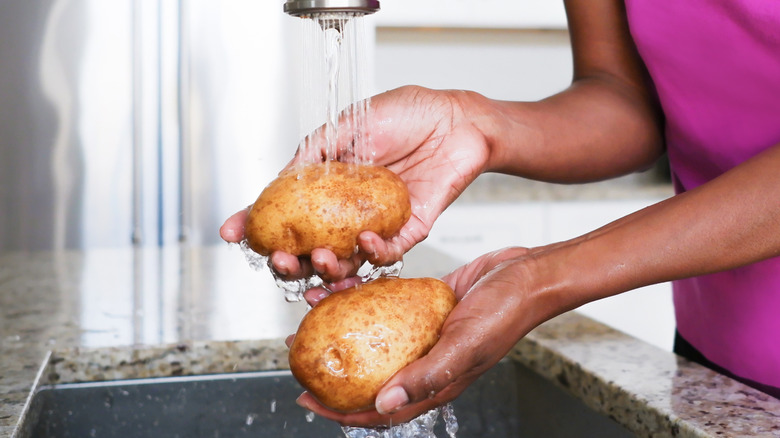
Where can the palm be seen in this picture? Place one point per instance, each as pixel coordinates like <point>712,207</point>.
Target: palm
<point>422,136</point>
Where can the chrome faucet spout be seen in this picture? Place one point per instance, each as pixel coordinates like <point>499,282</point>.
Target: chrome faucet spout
<point>330,13</point>
<point>308,8</point>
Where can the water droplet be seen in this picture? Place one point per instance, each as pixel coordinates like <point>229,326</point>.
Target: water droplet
<point>273,406</point>
<point>250,419</point>
<point>310,417</point>
<point>450,422</point>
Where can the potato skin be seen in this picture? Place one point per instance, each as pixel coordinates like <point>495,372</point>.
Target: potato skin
<point>354,340</point>
<point>326,205</point>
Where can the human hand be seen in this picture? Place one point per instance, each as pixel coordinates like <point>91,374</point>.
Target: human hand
<point>492,314</point>
<point>425,137</point>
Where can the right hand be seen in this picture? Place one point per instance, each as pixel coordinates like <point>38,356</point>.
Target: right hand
<point>428,139</point>
<point>497,305</point>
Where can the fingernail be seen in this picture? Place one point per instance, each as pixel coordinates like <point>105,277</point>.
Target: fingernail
<point>321,295</point>
<point>368,246</point>
<point>391,400</point>
<point>282,268</point>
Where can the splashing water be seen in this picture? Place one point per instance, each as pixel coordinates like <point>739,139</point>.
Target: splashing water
<point>450,422</point>
<point>420,427</point>
<point>294,289</point>
<point>369,272</point>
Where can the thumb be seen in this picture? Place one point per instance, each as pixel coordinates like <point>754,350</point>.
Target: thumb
<point>441,375</point>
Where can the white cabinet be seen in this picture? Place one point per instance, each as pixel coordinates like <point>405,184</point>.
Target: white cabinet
<point>466,231</point>
<point>518,14</point>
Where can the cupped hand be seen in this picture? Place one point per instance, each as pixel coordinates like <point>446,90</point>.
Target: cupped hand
<point>424,136</point>
<point>492,314</point>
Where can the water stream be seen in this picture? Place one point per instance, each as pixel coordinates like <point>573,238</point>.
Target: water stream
<point>334,99</point>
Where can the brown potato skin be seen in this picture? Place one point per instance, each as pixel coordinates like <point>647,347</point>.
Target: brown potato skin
<point>354,340</point>
<point>326,205</point>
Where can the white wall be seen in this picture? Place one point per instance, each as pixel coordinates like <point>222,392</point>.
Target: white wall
<point>499,63</point>
<point>468,230</point>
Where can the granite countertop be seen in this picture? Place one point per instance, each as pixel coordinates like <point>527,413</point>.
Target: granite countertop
<point>131,313</point>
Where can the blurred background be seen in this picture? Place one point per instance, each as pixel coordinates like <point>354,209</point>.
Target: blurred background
<point>145,123</point>
<point>150,121</point>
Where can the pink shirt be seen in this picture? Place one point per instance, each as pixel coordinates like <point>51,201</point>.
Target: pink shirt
<point>716,68</point>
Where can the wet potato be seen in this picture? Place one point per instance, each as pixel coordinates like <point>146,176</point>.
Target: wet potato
<point>326,205</point>
<point>354,340</point>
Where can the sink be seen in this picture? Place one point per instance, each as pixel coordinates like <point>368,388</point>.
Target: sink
<point>507,401</point>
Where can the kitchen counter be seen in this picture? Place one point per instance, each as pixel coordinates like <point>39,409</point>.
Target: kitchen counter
<point>119,314</point>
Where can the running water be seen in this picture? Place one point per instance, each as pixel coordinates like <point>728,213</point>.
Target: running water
<point>334,105</point>
<point>334,100</point>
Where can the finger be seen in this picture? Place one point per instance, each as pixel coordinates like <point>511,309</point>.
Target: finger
<point>345,283</point>
<point>315,295</point>
<point>330,267</point>
<point>233,228</point>
<point>289,340</point>
<point>376,250</point>
<point>290,267</point>
<point>451,365</point>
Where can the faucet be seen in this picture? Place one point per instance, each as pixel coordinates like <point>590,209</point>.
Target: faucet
<point>331,13</point>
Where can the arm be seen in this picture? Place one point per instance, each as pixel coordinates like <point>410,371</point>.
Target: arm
<point>729,222</point>
<point>606,124</point>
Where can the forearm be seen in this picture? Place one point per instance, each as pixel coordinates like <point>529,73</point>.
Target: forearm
<point>594,130</point>
<point>607,123</point>
<point>729,222</point>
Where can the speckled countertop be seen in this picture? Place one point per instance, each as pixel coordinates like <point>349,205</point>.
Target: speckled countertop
<point>117,314</point>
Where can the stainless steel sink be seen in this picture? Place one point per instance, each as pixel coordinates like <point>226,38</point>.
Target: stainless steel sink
<point>508,401</point>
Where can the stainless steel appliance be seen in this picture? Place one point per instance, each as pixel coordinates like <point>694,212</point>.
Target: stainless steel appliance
<point>141,122</point>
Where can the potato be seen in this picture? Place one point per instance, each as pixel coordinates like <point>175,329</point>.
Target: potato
<point>326,205</point>
<point>354,340</point>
